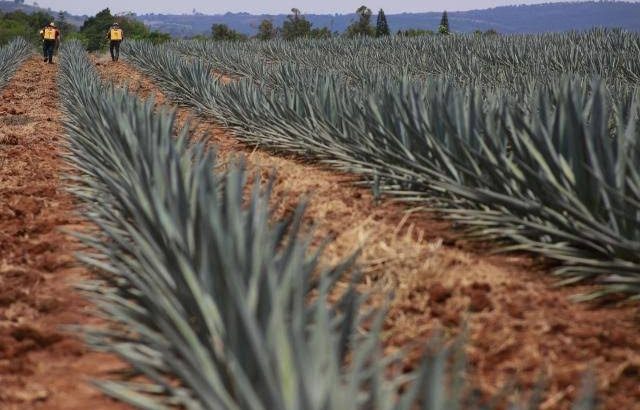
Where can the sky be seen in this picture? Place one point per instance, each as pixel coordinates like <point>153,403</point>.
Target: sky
<point>91,7</point>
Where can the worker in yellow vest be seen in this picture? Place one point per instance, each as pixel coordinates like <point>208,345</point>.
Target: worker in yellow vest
<point>50,37</point>
<point>115,35</point>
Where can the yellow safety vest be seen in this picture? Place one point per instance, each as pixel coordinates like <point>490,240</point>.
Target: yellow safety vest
<point>115,34</point>
<point>49,33</point>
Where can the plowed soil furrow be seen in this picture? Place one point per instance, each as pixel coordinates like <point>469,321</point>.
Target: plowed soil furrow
<point>41,365</point>
<point>520,326</point>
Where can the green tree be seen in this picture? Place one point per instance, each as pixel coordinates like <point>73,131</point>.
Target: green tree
<point>93,31</point>
<point>382,27</point>
<point>295,26</point>
<point>444,24</point>
<point>63,25</point>
<point>361,27</point>
<point>323,32</point>
<point>11,28</point>
<point>222,32</point>
<point>39,19</point>
<point>19,23</point>
<point>266,30</point>
<point>133,28</point>
<point>157,37</point>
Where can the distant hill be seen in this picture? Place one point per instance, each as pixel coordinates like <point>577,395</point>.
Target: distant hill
<point>539,18</point>
<point>9,6</point>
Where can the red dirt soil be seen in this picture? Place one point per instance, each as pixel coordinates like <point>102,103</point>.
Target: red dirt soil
<point>41,365</point>
<point>519,325</point>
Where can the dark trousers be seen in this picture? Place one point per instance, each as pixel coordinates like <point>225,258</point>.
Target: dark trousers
<point>47,49</point>
<point>114,48</point>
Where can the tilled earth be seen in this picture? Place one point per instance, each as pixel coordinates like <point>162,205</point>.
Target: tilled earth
<point>42,366</point>
<point>519,325</point>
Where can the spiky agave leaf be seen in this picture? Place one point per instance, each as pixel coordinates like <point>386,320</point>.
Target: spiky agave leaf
<point>11,56</point>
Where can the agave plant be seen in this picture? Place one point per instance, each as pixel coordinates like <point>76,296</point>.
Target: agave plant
<point>212,302</point>
<point>11,56</point>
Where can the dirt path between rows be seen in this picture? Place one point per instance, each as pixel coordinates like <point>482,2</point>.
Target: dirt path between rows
<point>41,365</point>
<point>519,325</point>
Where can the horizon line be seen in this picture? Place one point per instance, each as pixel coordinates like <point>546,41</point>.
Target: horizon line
<point>196,12</point>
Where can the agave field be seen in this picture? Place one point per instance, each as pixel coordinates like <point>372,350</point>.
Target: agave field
<point>529,141</point>
<point>206,290</point>
<point>212,299</point>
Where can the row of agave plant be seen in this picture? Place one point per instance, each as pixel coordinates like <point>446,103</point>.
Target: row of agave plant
<point>551,170</point>
<point>490,62</point>
<point>11,56</point>
<point>212,302</point>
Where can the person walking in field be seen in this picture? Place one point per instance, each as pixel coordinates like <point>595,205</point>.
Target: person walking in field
<point>115,35</point>
<point>50,37</point>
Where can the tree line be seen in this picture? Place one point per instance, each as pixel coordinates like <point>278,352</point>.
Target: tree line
<point>91,33</point>
<point>297,26</point>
